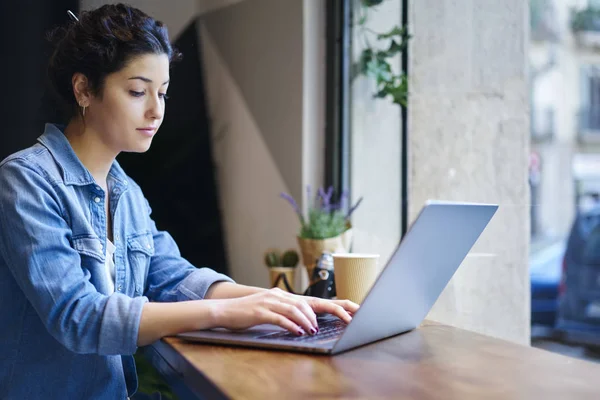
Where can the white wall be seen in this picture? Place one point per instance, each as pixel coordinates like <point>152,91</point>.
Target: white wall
<point>265,72</point>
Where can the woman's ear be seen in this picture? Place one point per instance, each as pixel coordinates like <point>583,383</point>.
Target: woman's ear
<point>81,89</point>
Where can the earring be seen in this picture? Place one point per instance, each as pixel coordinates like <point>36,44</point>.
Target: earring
<point>82,110</point>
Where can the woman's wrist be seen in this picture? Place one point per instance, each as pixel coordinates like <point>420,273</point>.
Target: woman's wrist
<point>213,314</point>
<point>166,319</point>
<point>228,290</point>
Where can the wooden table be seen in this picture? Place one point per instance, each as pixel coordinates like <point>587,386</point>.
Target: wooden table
<point>432,362</point>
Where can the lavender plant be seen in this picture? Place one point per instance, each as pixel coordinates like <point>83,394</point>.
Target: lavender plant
<point>326,218</point>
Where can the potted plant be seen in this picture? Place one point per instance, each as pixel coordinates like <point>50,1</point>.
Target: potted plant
<point>326,227</point>
<point>282,268</point>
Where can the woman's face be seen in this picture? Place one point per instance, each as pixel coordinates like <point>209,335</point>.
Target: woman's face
<point>128,113</point>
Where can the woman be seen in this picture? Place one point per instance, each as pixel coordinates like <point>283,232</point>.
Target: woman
<point>85,276</point>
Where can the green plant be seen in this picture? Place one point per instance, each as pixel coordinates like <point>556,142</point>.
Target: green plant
<point>587,19</point>
<point>149,380</point>
<point>374,59</point>
<point>371,3</point>
<point>325,219</point>
<point>272,258</point>
<point>290,259</point>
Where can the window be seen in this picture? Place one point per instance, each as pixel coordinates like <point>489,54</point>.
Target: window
<point>590,98</point>
<point>364,137</point>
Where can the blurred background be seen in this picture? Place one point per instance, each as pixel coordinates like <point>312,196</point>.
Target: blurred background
<point>564,173</point>
<point>494,102</point>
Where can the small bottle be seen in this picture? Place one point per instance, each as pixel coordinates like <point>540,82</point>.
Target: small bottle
<point>325,261</point>
<point>322,279</point>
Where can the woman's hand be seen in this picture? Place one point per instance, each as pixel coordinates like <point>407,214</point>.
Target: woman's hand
<point>292,312</point>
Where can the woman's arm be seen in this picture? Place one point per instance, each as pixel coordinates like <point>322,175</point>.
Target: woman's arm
<point>228,290</point>
<point>171,278</point>
<point>266,306</point>
<point>165,319</point>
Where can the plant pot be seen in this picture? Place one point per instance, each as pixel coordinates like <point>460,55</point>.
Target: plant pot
<point>311,249</point>
<point>283,278</point>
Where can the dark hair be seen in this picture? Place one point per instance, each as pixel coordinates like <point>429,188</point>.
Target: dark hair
<point>102,42</point>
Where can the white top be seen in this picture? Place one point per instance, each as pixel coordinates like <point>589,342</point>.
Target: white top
<point>110,265</point>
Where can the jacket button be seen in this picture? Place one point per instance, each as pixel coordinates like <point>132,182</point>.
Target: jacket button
<point>97,199</point>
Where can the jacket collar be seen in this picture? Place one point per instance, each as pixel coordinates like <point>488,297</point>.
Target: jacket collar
<point>73,171</point>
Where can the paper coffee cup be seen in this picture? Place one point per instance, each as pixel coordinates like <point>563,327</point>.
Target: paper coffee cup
<point>355,274</point>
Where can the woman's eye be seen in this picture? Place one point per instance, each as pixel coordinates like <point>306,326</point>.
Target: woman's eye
<point>163,95</point>
<point>136,94</point>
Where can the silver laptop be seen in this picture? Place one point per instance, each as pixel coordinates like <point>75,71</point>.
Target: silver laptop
<point>406,289</point>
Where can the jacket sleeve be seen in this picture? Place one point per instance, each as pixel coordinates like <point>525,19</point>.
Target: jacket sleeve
<point>35,245</point>
<point>170,276</point>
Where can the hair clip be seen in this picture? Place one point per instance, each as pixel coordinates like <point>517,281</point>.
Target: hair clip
<point>70,14</point>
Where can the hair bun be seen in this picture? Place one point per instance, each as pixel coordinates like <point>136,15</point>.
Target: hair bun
<point>100,43</point>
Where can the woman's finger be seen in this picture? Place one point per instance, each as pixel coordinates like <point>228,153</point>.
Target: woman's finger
<point>347,305</point>
<point>307,311</point>
<point>301,303</point>
<point>274,318</point>
<point>328,306</point>
<point>293,313</point>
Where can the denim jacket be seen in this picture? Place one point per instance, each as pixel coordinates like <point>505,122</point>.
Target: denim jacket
<point>63,335</point>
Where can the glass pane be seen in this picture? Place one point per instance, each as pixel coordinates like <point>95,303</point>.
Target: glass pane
<point>375,130</point>
<point>591,251</point>
<point>564,170</point>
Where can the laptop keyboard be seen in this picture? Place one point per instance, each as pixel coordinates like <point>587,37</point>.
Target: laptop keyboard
<point>329,329</point>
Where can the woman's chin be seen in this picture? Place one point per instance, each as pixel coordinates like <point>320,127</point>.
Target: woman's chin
<point>140,147</point>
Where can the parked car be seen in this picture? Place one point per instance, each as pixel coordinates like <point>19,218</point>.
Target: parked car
<point>545,274</point>
<point>578,317</point>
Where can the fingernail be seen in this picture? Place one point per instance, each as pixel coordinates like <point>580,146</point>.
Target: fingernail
<point>313,331</point>
<point>300,332</point>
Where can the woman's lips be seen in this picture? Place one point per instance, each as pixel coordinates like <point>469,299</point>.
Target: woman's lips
<point>147,131</point>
